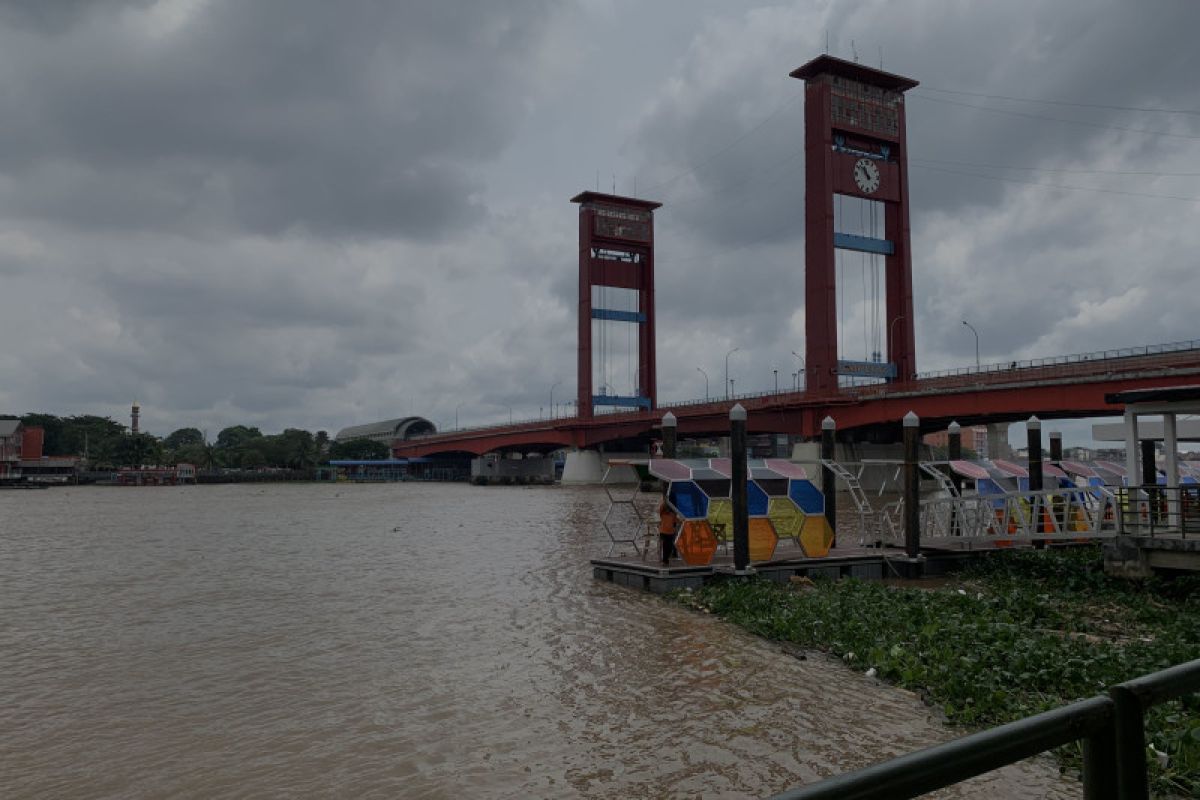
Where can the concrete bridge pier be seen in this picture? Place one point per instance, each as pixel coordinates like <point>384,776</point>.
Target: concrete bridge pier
<point>588,467</point>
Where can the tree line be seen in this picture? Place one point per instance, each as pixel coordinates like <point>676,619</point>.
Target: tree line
<point>107,444</point>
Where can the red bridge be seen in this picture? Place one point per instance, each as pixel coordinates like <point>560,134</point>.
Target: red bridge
<point>1058,388</point>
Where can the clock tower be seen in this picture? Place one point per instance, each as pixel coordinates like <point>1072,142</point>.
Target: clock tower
<point>854,146</point>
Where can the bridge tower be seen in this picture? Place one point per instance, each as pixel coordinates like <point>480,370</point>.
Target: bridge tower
<point>616,251</point>
<point>854,145</point>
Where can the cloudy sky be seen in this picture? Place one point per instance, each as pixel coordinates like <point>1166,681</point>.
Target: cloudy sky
<point>297,213</point>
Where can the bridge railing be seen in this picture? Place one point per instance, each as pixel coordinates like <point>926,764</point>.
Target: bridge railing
<point>1111,727</point>
<point>1058,361</point>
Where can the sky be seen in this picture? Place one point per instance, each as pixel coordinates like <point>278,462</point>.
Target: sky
<point>295,213</point>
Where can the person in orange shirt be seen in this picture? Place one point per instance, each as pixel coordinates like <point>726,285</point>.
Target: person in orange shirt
<point>668,521</point>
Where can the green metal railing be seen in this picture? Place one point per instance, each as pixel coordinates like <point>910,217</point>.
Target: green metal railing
<point>1111,727</point>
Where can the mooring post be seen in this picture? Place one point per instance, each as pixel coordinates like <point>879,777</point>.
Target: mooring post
<point>828,479</point>
<point>1033,439</point>
<point>741,511</point>
<point>1055,446</point>
<point>954,453</point>
<point>670,427</point>
<point>1150,479</point>
<point>1033,430</point>
<point>912,489</point>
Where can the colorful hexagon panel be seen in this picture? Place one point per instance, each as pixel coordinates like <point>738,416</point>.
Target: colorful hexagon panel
<point>816,537</point>
<point>696,543</point>
<point>720,517</point>
<point>688,499</point>
<point>781,502</point>
<point>787,518</point>
<point>762,539</point>
<point>807,496</point>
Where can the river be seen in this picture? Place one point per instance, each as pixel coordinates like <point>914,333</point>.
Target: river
<point>401,640</point>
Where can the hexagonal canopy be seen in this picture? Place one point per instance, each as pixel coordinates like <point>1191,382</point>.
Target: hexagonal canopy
<point>696,543</point>
<point>762,539</point>
<point>688,499</point>
<point>816,537</point>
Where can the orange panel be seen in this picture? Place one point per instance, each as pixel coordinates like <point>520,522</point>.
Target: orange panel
<point>816,538</point>
<point>762,539</point>
<point>696,543</point>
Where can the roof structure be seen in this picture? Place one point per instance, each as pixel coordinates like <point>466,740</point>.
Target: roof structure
<point>387,430</point>
<point>827,64</point>
<point>9,426</point>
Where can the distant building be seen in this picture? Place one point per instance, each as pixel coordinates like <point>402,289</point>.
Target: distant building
<point>387,431</point>
<point>973,438</point>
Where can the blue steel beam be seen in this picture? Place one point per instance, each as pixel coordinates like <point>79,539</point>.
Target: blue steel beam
<point>618,316</point>
<point>863,244</point>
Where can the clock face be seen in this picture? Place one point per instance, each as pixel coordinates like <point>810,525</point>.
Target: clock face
<point>866,175</point>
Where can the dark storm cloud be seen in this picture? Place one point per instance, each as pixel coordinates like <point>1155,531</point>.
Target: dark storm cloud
<point>265,116</point>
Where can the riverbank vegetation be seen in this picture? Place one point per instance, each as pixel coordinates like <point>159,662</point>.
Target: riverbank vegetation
<point>1015,634</point>
<point>104,443</point>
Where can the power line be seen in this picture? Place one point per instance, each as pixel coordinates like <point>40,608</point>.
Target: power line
<point>1027,115</point>
<point>1103,106</point>
<point>1059,185</point>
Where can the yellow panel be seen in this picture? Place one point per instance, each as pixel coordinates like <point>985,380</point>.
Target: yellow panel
<point>762,539</point>
<point>786,516</point>
<point>816,537</point>
<point>720,517</point>
<point>696,543</point>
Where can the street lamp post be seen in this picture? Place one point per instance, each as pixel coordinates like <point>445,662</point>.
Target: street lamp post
<point>731,391</point>
<point>456,408</point>
<point>972,327</point>
<point>705,374</point>
<point>795,381</point>
<point>776,371</point>
<point>728,383</point>
<point>799,372</point>
<point>552,386</point>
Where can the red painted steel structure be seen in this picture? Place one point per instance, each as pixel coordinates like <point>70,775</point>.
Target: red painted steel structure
<point>616,248</point>
<point>1052,392</point>
<point>853,114</point>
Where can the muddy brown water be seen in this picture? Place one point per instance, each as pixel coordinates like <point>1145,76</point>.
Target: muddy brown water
<point>404,640</point>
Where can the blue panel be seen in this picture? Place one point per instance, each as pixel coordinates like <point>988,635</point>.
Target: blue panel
<point>617,400</point>
<point>807,496</point>
<point>619,316</point>
<point>864,244</point>
<point>756,500</point>
<point>688,499</point>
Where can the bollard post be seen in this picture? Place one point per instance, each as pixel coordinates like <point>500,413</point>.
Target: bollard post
<point>1033,439</point>
<point>1033,430</point>
<point>741,512</point>
<point>954,453</point>
<point>912,493</point>
<point>1056,446</point>
<point>670,427</point>
<point>828,479</point>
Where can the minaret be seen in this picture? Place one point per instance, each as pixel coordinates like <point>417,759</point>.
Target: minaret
<point>133,417</point>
